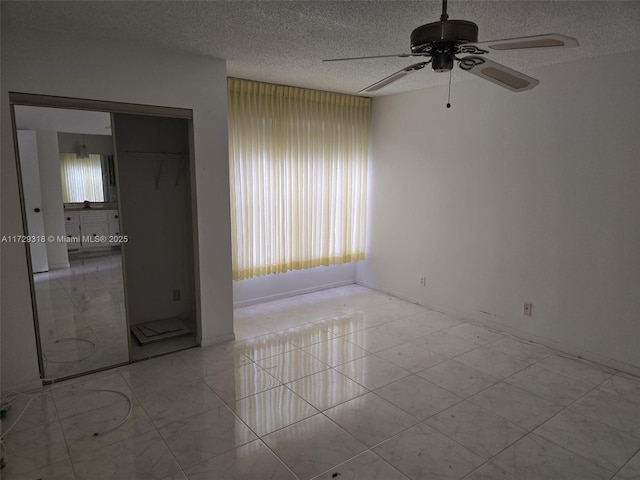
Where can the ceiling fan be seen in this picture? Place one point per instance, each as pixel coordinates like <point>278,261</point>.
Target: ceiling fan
<point>442,43</point>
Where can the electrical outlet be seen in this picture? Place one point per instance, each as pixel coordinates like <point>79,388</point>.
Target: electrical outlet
<point>423,281</point>
<point>527,310</point>
<point>176,295</point>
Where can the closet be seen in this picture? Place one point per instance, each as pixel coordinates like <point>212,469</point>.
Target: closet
<point>132,293</point>
<point>154,182</point>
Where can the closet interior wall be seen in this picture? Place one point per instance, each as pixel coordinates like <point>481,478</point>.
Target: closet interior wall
<point>155,192</point>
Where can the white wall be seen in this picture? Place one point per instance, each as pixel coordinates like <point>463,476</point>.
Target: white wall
<point>511,198</point>
<point>52,206</point>
<point>127,73</point>
<point>297,282</point>
<point>155,198</point>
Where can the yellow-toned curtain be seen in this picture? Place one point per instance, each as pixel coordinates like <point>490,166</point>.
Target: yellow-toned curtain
<point>298,172</point>
<point>81,178</point>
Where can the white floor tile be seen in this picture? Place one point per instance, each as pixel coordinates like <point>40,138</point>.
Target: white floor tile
<point>411,357</point>
<point>251,461</point>
<point>175,403</point>
<point>489,472</point>
<point>608,447</point>
<point>497,364</point>
<point>476,333</point>
<point>300,395</point>
<point>143,456</point>
<point>93,430</point>
<point>631,471</point>
<point>206,435</point>
<point>477,429</point>
<point>370,418</point>
<point>521,349</point>
<point>327,389</point>
<point>577,369</point>
<point>292,365</point>
<point>336,351</point>
<point>273,409</point>
<point>266,346</point>
<point>313,445</point>
<point>241,382</point>
<point>535,458</point>
<point>57,471</point>
<point>458,378</point>
<point>516,405</point>
<point>611,410</point>
<point>214,359</point>
<point>372,372</point>
<point>624,386</point>
<point>423,453</point>
<point>550,385</point>
<point>366,466</point>
<point>34,448</point>
<point>418,396</point>
<point>447,344</point>
<point>157,374</point>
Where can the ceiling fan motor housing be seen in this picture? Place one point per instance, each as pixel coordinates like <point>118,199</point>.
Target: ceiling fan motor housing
<point>441,40</point>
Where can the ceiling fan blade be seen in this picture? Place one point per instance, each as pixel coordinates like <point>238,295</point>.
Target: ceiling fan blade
<point>395,76</point>
<point>536,41</point>
<point>401,55</point>
<point>498,74</point>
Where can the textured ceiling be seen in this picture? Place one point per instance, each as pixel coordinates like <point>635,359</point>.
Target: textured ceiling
<point>285,41</point>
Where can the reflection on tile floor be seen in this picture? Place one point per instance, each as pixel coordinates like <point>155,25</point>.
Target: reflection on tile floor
<point>81,315</point>
<point>346,383</point>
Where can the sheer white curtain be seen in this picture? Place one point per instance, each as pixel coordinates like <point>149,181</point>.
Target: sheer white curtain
<point>81,178</point>
<point>298,171</point>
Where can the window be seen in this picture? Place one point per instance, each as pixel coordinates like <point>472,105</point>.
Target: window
<point>298,171</point>
<point>81,178</point>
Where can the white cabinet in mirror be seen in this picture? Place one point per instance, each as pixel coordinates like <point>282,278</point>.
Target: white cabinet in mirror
<point>92,228</point>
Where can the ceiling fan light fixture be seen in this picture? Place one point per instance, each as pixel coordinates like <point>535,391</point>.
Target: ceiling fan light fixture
<point>443,42</point>
<point>455,32</point>
<point>442,62</point>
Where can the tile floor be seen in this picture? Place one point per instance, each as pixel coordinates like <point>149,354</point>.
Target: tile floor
<point>346,383</point>
<point>81,315</point>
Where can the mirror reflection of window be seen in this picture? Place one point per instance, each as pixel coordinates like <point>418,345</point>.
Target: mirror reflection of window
<point>81,178</point>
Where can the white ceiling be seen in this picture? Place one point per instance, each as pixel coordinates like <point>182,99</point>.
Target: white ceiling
<point>285,41</point>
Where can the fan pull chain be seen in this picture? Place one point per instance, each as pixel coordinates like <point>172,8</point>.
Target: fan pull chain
<point>449,97</point>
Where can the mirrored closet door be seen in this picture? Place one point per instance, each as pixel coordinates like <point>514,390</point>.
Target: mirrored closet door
<point>68,176</point>
<point>107,193</point>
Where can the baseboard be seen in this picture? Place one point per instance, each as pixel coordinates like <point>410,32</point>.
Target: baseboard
<point>485,322</point>
<point>393,293</point>
<point>206,342</point>
<point>291,293</point>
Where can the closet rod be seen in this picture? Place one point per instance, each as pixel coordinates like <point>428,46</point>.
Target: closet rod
<point>155,156</point>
